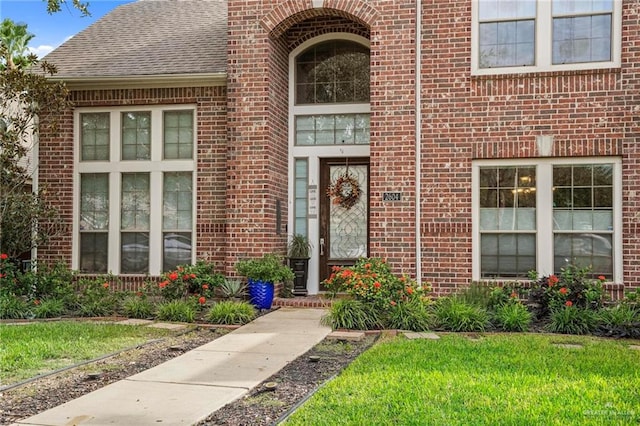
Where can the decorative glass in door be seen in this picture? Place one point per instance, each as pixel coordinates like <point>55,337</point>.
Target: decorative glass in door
<point>348,227</point>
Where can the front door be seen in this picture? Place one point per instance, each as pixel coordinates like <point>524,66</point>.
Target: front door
<point>344,229</point>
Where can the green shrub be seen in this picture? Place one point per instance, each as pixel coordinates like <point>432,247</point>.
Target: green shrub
<point>230,312</point>
<point>49,308</point>
<point>351,315</point>
<point>176,310</point>
<point>13,307</point>
<point>570,319</point>
<point>622,320</point>
<point>513,316</point>
<point>96,299</point>
<point>454,314</point>
<point>137,307</point>
<point>413,315</point>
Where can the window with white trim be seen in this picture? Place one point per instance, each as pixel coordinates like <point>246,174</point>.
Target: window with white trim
<point>135,174</point>
<point>515,36</point>
<point>544,215</point>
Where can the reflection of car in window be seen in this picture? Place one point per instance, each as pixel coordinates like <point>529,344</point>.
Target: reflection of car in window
<point>586,249</point>
<point>177,250</point>
<point>135,256</point>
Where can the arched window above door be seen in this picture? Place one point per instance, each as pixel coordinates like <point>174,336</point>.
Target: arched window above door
<point>335,71</point>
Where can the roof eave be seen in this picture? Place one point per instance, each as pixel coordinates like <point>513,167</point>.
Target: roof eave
<point>144,81</point>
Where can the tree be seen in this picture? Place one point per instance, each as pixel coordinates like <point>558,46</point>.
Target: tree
<point>28,100</point>
<point>54,6</point>
<point>15,38</point>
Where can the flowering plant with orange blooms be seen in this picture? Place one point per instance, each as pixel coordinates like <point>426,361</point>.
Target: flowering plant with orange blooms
<point>199,280</point>
<point>371,281</point>
<point>573,286</point>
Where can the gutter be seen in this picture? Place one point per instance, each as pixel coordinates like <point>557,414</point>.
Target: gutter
<point>144,81</point>
<point>418,133</point>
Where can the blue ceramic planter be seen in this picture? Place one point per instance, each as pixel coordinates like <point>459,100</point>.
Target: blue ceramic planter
<point>261,293</point>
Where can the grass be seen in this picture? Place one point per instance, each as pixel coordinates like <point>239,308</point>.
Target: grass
<point>513,379</point>
<point>36,348</point>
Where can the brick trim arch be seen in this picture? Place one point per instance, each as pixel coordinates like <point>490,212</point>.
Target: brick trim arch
<point>291,12</point>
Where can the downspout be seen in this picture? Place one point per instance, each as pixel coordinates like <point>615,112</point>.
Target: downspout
<point>418,132</point>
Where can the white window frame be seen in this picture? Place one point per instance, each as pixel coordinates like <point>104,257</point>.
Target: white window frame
<point>156,167</point>
<point>544,44</point>
<point>544,209</point>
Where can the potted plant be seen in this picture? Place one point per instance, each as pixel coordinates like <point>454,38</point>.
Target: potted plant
<point>298,254</point>
<point>261,275</point>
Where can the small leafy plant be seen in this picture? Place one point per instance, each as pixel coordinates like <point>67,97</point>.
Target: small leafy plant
<point>413,315</point>
<point>352,315</point>
<point>177,310</point>
<point>233,289</point>
<point>454,314</point>
<point>622,320</point>
<point>49,308</point>
<point>138,307</point>
<point>13,307</point>
<point>570,319</point>
<point>513,316</point>
<point>231,312</point>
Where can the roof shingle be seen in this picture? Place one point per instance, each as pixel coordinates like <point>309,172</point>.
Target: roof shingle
<point>149,38</point>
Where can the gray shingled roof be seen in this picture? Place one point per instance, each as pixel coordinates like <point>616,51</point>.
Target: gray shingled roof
<point>146,38</point>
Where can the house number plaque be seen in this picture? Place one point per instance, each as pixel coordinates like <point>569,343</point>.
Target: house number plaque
<point>392,196</point>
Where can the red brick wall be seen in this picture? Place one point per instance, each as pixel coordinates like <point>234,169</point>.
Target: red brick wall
<point>464,118</point>
<point>56,163</point>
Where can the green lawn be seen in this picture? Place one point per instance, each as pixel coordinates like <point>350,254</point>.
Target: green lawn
<point>502,379</point>
<point>32,349</point>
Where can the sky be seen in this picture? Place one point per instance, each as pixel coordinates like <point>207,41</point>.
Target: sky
<point>52,30</point>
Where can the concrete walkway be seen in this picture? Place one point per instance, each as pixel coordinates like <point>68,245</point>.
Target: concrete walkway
<point>186,389</point>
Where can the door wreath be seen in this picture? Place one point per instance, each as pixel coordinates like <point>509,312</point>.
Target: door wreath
<point>345,191</point>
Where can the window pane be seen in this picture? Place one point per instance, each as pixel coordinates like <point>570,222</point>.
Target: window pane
<point>134,253</point>
<point>563,7</point>
<point>94,201</point>
<point>178,200</point>
<point>333,71</point>
<point>301,196</point>
<point>507,255</point>
<point>595,250</point>
<point>329,129</point>
<point>504,44</point>
<point>94,252</point>
<point>500,9</point>
<point>136,135</point>
<point>136,206</point>
<point>94,137</point>
<point>178,134</point>
<point>177,250</point>
<point>582,39</point>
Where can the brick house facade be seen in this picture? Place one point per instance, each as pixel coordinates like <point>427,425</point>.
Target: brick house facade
<point>472,168</point>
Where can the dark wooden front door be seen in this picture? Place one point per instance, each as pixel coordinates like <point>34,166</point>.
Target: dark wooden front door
<point>344,232</point>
